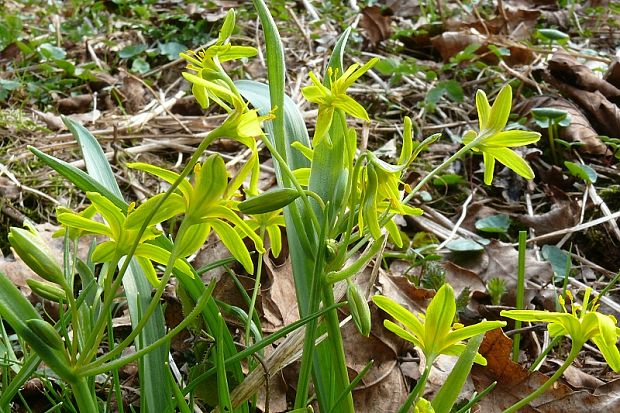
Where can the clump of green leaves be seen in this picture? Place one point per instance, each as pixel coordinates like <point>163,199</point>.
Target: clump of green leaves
<point>496,288</point>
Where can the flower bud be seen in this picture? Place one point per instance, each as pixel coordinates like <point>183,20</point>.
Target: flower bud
<point>269,201</point>
<point>358,306</point>
<point>47,290</point>
<point>46,332</point>
<point>31,248</point>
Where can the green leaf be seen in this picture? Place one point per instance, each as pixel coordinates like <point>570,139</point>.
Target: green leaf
<point>131,51</point>
<point>464,245</point>
<point>553,35</point>
<point>171,49</point>
<point>557,257</point>
<point>52,52</point>
<point>494,223</point>
<point>451,388</point>
<point>582,171</point>
<point>449,179</point>
<point>454,90</point>
<point>139,65</point>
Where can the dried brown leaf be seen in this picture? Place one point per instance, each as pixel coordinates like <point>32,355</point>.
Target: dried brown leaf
<point>278,299</point>
<point>376,25</point>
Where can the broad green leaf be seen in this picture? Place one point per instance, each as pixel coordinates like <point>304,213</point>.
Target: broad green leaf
<point>131,50</point>
<point>448,179</point>
<point>52,52</point>
<point>582,171</point>
<point>464,245</point>
<point>557,258</point>
<point>140,65</point>
<point>494,223</point>
<point>553,35</point>
<point>171,49</point>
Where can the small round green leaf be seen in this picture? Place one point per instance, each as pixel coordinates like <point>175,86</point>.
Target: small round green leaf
<point>131,51</point>
<point>582,171</point>
<point>494,223</point>
<point>464,245</point>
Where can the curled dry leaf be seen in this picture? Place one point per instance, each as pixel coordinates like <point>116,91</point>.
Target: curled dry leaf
<point>594,96</point>
<point>375,25</point>
<point>75,104</point>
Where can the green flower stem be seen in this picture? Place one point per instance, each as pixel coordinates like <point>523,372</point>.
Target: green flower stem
<point>543,354</point>
<point>552,133</point>
<point>249,351</point>
<point>84,397</point>
<point>307,355</point>
<point>425,180</point>
<point>443,165</point>
<point>95,367</point>
<point>259,268</point>
<point>353,205</point>
<point>574,351</point>
<point>152,305</point>
<point>417,390</point>
<point>520,305</point>
<point>289,174</point>
<point>110,288</point>
<point>335,276</point>
<point>337,350</point>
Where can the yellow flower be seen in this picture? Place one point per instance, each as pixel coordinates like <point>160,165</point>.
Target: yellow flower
<point>581,324</point>
<point>335,97</point>
<point>434,333</point>
<point>494,141</point>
